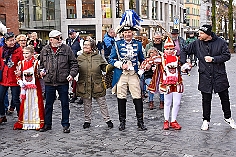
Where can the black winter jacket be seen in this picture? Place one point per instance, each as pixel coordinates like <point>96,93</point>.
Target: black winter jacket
<point>212,75</point>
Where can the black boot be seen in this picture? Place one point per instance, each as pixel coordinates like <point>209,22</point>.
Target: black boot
<point>139,113</point>
<point>122,113</point>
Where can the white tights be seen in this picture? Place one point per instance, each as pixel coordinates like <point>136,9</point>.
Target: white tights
<point>176,97</point>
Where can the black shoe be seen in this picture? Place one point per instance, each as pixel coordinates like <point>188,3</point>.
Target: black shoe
<point>72,100</point>
<point>66,129</point>
<point>109,124</point>
<point>141,127</point>
<point>80,101</point>
<point>45,128</point>
<point>3,119</point>
<point>86,125</point>
<point>122,126</point>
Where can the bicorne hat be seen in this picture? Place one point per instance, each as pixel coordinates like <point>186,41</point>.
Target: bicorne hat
<point>130,21</point>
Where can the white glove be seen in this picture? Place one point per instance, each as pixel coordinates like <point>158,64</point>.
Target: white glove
<point>69,78</point>
<point>140,72</point>
<point>157,60</point>
<point>20,83</point>
<point>185,66</point>
<point>118,64</point>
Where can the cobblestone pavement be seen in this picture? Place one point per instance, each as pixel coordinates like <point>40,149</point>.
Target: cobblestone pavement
<point>98,140</point>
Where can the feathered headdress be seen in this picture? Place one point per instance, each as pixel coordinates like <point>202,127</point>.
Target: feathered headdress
<point>3,29</point>
<point>130,21</point>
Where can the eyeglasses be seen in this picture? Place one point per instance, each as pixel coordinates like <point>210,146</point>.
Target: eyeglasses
<point>152,52</point>
<point>22,40</point>
<point>157,38</point>
<point>57,38</point>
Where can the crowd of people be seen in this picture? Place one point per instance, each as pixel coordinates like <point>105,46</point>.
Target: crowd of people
<point>35,72</point>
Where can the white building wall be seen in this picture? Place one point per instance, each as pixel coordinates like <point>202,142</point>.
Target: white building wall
<point>98,21</point>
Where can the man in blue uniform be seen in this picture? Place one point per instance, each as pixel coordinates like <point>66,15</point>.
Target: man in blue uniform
<point>126,54</point>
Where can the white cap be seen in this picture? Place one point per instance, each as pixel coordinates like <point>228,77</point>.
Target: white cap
<point>54,33</point>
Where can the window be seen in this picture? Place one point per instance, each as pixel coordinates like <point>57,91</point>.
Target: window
<point>88,8</point>
<point>21,11</point>
<point>187,11</point>
<point>154,10</point>
<point>119,8</point>
<point>161,11</point>
<point>71,9</point>
<point>144,9</point>
<point>106,9</point>
<point>50,7</point>
<point>37,10</point>
<point>171,12</point>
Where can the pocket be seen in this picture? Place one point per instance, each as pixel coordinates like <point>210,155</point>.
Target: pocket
<point>81,86</point>
<point>98,87</point>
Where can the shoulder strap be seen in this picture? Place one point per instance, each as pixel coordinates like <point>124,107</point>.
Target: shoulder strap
<point>117,52</point>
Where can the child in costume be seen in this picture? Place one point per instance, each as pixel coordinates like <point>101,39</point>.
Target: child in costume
<point>171,84</point>
<point>31,115</point>
<point>151,68</point>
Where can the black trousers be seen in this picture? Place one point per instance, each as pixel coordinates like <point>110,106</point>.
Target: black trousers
<point>206,104</point>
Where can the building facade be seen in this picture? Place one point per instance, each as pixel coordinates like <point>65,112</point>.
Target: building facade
<point>9,17</point>
<point>39,16</point>
<point>192,14</point>
<point>205,12</point>
<point>93,18</point>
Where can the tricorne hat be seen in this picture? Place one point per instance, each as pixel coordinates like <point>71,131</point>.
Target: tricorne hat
<point>175,31</point>
<point>130,21</point>
<point>169,43</point>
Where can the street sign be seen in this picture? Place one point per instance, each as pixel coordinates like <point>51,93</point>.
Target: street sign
<point>176,21</point>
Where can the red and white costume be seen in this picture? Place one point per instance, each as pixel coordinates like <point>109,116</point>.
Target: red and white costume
<point>31,115</point>
<point>171,85</point>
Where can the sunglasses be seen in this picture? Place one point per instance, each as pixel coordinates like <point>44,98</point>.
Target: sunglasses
<point>157,38</point>
<point>57,38</point>
<point>22,40</point>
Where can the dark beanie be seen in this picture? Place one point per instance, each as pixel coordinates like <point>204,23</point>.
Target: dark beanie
<point>206,29</point>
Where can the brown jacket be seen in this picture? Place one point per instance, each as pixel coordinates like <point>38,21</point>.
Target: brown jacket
<point>90,83</point>
<point>58,65</point>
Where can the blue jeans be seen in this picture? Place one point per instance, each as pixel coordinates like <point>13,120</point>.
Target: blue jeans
<point>50,98</point>
<point>6,101</point>
<point>150,95</point>
<point>15,91</point>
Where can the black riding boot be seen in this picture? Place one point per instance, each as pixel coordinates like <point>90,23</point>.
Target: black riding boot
<point>122,113</point>
<point>139,113</point>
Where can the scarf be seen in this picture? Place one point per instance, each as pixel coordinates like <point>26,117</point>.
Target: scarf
<point>8,51</point>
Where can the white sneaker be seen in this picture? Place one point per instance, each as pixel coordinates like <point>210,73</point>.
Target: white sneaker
<point>231,122</point>
<point>205,125</point>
